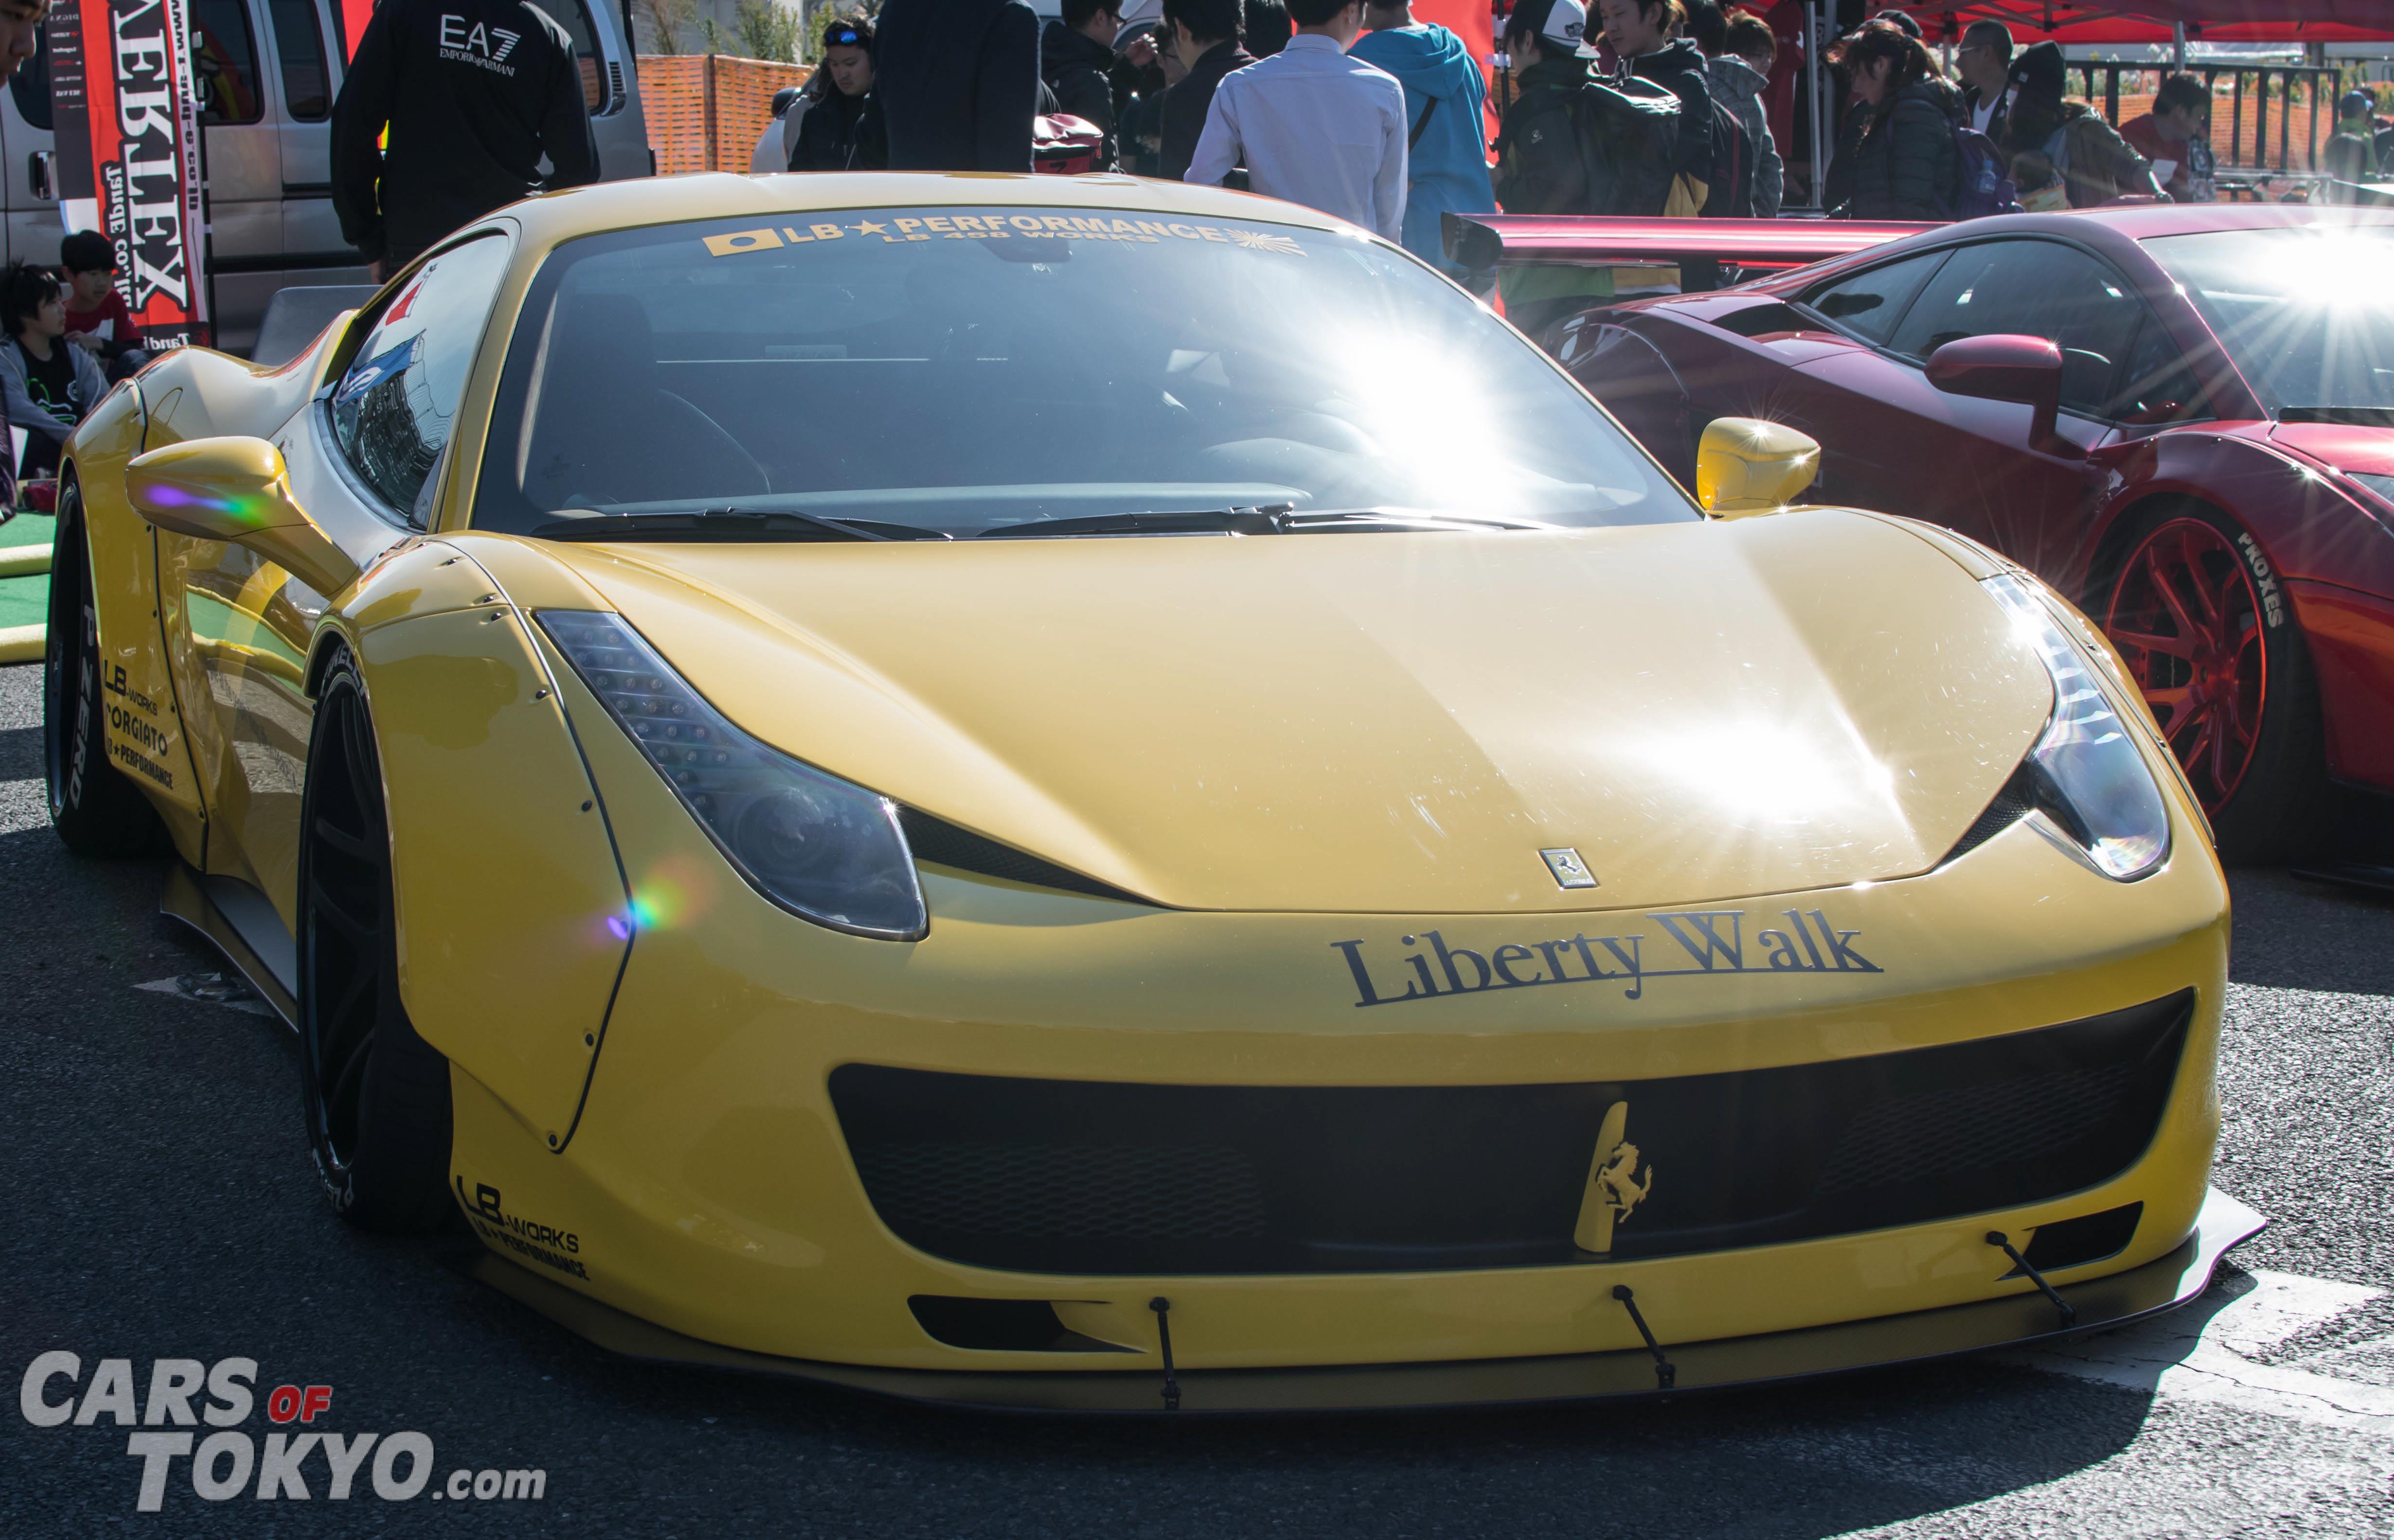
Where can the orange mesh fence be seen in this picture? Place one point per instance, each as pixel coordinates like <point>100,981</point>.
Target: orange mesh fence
<point>2226,130</point>
<point>706,112</point>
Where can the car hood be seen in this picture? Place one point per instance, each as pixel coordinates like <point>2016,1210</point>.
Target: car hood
<point>2342,447</point>
<point>1381,722</point>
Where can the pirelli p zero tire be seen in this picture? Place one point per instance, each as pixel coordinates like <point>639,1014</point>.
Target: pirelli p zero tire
<point>2197,611</point>
<point>377,1094</point>
<point>94,806</point>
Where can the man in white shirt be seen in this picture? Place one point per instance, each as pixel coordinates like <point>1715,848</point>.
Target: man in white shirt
<point>1985,62</point>
<point>1313,125</point>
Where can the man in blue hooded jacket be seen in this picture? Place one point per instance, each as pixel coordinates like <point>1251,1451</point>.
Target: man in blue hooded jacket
<point>1444,93</point>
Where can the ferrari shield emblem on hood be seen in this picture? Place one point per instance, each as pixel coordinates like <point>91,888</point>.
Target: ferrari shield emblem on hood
<point>1568,870</point>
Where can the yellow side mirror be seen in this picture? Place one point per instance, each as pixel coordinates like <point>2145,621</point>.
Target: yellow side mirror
<point>236,489</point>
<point>1745,464</point>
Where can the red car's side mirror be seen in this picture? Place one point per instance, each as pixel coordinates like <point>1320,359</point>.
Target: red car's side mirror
<point>2004,368</point>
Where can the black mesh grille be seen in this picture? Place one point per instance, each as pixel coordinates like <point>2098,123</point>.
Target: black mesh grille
<point>1943,1132</point>
<point>1092,1177</point>
<point>1066,1191</point>
<point>943,844</point>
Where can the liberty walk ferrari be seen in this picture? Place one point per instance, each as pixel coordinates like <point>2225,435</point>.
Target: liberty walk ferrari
<point>1085,793</point>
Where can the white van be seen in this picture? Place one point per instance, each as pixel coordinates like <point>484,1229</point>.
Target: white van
<point>273,69</point>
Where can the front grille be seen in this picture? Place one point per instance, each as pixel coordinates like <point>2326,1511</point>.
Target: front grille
<point>1094,1177</point>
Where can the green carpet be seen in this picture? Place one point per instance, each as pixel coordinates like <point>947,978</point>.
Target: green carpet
<point>25,600</point>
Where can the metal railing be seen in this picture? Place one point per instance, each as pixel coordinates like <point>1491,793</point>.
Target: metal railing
<point>2264,83</point>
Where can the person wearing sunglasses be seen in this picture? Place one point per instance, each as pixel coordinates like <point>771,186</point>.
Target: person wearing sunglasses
<point>842,130</point>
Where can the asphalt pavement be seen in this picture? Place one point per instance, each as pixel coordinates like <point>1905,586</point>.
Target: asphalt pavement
<point>156,1203</point>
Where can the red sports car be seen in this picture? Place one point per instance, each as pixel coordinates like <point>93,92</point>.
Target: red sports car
<point>2184,415</point>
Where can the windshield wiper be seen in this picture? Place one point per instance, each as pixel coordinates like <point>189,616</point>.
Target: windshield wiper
<point>1261,521</point>
<point>729,524</point>
<point>2341,417</point>
<point>1401,519</point>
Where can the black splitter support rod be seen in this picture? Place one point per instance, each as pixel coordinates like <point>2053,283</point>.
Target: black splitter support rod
<point>1163,1308</point>
<point>1665,1374</point>
<point>2062,1307</point>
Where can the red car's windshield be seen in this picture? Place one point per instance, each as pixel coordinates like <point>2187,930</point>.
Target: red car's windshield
<point>2305,312</point>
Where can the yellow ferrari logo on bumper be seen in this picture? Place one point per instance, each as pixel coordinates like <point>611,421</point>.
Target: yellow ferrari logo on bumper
<point>1613,1187</point>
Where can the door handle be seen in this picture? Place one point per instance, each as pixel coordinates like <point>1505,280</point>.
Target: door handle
<point>38,171</point>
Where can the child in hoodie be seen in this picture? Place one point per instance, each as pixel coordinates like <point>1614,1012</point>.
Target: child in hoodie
<point>1444,116</point>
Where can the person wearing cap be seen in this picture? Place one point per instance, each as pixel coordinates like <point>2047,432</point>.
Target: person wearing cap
<point>98,320</point>
<point>2176,137</point>
<point>1313,125</point>
<point>2095,164</point>
<point>2352,154</point>
<point>842,130</point>
<point>1446,148</point>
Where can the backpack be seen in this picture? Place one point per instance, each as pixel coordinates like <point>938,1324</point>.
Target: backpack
<point>1729,194</point>
<point>1982,182</point>
<point>1627,129</point>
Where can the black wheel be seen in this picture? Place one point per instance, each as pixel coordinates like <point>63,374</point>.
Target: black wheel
<point>377,1094</point>
<point>2207,632</point>
<point>94,806</point>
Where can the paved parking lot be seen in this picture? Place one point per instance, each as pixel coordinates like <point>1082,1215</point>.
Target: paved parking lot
<point>156,1202</point>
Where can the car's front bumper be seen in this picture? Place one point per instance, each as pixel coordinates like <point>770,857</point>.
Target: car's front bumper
<point>2100,1305</point>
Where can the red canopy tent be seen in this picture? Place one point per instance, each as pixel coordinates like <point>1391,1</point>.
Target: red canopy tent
<point>2155,20</point>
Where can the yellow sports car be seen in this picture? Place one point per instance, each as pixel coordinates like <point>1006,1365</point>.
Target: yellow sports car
<point>1079,793</point>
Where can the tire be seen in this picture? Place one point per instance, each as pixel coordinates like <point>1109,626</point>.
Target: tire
<point>96,808</point>
<point>374,1094</point>
<point>2197,612</point>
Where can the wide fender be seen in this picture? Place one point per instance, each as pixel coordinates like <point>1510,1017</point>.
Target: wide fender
<point>511,910</point>
<point>199,393</point>
<point>144,716</point>
<point>2305,526</point>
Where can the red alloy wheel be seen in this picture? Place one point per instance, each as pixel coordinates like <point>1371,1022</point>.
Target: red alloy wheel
<point>2186,619</point>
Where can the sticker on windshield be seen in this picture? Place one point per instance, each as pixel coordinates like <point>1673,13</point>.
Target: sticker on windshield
<point>894,230</point>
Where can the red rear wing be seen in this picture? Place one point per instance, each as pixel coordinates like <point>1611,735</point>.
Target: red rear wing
<point>1480,242</point>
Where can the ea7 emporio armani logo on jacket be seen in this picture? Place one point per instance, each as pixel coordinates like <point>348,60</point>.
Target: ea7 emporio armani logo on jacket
<point>473,43</point>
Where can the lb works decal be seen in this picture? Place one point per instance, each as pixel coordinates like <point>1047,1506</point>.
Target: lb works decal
<point>195,1412</point>
<point>551,1247</point>
<point>2264,580</point>
<point>1693,941</point>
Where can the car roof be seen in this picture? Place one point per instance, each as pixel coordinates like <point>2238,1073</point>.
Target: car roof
<point>550,218</point>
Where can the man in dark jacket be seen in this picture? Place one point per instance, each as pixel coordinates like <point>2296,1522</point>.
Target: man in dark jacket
<point>473,93</point>
<point>958,82</point>
<point>1205,35</point>
<point>1639,31</point>
<point>1091,81</point>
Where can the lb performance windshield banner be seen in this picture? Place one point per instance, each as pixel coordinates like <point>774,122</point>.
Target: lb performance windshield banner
<point>126,107</point>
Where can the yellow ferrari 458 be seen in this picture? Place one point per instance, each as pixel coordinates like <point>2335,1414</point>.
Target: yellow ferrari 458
<point>1080,793</point>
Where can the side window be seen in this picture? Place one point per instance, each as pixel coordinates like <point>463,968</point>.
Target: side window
<point>299,51</point>
<point>391,412</point>
<point>2032,288</point>
<point>30,83</point>
<point>1868,304</point>
<point>2158,385</point>
<point>574,17</point>
<point>224,55</point>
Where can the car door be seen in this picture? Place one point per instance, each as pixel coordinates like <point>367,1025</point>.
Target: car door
<point>308,79</point>
<point>29,183</point>
<point>1894,441</point>
<point>360,460</point>
<point>242,145</point>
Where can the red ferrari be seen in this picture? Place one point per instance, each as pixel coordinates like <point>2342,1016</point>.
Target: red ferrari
<point>2184,415</point>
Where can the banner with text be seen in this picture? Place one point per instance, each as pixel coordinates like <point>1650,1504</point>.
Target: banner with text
<point>126,108</point>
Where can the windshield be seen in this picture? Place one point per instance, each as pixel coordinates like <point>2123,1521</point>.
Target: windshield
<point>937,371</point>
<point>2305,312</point>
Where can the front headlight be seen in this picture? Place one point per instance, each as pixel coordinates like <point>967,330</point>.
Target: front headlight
<point>2089,778</point>
<point>824,848</point>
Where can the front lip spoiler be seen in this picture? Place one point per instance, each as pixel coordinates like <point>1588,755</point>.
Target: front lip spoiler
<point>2014,1321</point>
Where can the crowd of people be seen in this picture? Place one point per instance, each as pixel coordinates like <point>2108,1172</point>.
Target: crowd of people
<point>69,335</point>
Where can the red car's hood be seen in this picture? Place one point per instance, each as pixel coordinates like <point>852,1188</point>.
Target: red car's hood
<point>2339,447</point>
